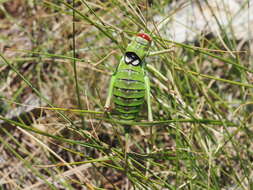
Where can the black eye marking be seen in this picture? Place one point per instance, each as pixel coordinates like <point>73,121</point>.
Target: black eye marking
<point>132,58</point>
<point>136,62</point>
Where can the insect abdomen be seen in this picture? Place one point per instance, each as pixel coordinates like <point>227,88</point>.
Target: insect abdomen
<point>128,92</point>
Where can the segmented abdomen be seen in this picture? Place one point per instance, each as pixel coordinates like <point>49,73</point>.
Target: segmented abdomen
<point>128,92</point>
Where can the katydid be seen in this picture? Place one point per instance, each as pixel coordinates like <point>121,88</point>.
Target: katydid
<point>129,84</point>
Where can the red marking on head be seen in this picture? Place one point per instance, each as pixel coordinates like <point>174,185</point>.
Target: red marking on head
<point>145,36</point>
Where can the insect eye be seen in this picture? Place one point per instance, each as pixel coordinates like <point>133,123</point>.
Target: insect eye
<point>136,62</point>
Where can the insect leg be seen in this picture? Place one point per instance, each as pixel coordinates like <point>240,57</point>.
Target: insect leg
<point>147,86</point>
<point>150,116</point>
<point>109,97</point>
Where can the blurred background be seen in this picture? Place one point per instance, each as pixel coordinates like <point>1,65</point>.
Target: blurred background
<point>56,59</point>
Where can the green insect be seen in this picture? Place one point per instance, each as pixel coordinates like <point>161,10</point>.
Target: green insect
<point>129,85</point>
